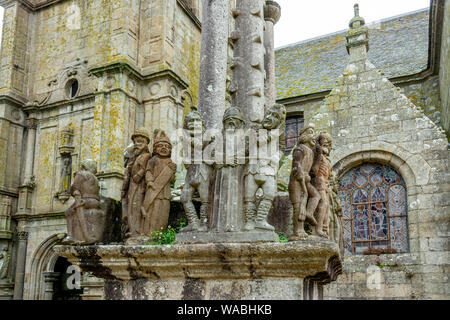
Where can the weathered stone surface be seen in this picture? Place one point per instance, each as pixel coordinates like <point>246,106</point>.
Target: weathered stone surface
<point>207,271</point>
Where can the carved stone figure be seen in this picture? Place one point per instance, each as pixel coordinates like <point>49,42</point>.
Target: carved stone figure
<point>228,189</point>
<point>66,173</point>
<point>261,174</point>
<point>336,229</point>
<point>198,176</point>
<point>85,218</point>
<point>134,187</point>
<point>320,174</point>
<point>4,263</point>
<point>159,174</point>
<point>303,195</point>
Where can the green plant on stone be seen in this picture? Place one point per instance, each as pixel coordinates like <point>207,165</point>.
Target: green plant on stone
<point>282,238</point>
<point>167,237</point>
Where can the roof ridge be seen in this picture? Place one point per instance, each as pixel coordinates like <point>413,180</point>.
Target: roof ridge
<point>411,13</point>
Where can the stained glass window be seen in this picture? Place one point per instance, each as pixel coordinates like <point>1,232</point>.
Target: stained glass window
<point>373,198</point>
<point>292,128</point>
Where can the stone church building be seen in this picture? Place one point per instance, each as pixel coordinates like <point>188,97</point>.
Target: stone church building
<point>77,77</point>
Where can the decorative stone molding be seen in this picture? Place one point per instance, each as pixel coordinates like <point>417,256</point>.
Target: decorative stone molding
<point>212,265</point>
<point>22,235</point>
<point>272,11</point>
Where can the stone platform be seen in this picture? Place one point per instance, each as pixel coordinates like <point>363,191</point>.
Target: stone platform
<point>219,271</point>
<point>226,237</point>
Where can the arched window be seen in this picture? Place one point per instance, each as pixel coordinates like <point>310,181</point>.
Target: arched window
<point>293,126</point>
<point>373,198</point>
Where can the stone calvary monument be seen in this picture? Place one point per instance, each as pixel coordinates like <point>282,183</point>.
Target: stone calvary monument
<point>232,156</point>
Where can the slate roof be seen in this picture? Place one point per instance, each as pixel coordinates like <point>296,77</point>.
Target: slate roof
<point>398,46</point>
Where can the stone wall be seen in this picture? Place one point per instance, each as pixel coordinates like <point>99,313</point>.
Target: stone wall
<point>444,72</point>
<point>371,121</point>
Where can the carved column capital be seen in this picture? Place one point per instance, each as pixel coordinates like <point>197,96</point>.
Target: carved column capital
<point>272,11</point>
<point>31,123</point>
<point>22,235</point>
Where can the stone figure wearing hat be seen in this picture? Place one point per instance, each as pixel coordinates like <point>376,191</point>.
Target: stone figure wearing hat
<point>261,172</point>
<point>198,176</point>
<point>159,174</point>
<point>303,195</point>
<point>134,186</point>
<point>85,218</point>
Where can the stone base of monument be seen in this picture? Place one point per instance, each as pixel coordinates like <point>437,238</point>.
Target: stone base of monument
<point>216,271</point>
<point>226,237</point>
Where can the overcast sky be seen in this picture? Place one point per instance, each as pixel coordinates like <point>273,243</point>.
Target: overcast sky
<point>301,20</point>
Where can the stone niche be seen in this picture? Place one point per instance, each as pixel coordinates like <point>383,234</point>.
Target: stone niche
<point>227,271</point>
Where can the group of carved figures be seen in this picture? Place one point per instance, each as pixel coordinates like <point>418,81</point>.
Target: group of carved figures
<point>146,190</point>
<point>145,193</point>
<point>260,174</point>
<point>313,188</point>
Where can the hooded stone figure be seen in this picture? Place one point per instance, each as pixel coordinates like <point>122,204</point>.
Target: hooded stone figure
<point>159,174</point>
<point>85,218</point>
<point>134,186</point>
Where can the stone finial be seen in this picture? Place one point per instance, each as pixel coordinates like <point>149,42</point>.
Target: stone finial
<point>272,11</point>
<point>357,21</point>
<point>358,34</point>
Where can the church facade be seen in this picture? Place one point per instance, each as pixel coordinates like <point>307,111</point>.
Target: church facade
<point>78,77</point>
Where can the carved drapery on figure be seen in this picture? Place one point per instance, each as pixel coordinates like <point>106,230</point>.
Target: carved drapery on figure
<point>85,217</point>
<point>134,186</point>
<point>4,263</point>
<point>159,174</point>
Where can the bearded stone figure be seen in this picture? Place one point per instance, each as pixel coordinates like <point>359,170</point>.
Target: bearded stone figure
<point>320,174</point>
<point>198,176</point>
<point>261,172</point>
<point>159,174</point>
<point>336,230</point>
<point>134,186</point>
<point>303,195</point>
<point>85,218</point>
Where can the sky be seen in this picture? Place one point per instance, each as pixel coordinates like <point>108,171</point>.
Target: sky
<point>301,20</point>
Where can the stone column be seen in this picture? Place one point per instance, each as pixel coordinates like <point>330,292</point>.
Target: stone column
<point>49,279</point>
<point>272,13</point>
<point>247,85</point>
<point>20,265</point>
<point>213,62</point>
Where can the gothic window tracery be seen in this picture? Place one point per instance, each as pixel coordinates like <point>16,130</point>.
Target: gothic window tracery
<point>374,203</point>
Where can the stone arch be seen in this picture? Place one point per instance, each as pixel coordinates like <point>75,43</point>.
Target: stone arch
<point>44,260</point>
<point>414,170</point>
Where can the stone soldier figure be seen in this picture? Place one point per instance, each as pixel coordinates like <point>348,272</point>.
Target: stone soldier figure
<point>302,193</point>
<point>198,176</point>
<point>134,186</point>
<point>320,174</point>
<point>85,218</point>
<point>159,174</point>
<point>262,173</point>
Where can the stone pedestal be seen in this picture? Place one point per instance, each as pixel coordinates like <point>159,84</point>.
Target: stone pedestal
<point>210,271</point>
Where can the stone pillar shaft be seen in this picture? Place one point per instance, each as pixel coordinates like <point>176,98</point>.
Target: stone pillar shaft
<point>20,266</point>
<point>213,62</point>
<point>271,15</point>
<point>29,155</point>
<point>247,86</point>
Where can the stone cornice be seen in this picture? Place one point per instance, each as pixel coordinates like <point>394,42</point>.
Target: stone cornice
<point>137,72</point>
<point>29,4</point>
<point>297,259</point>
